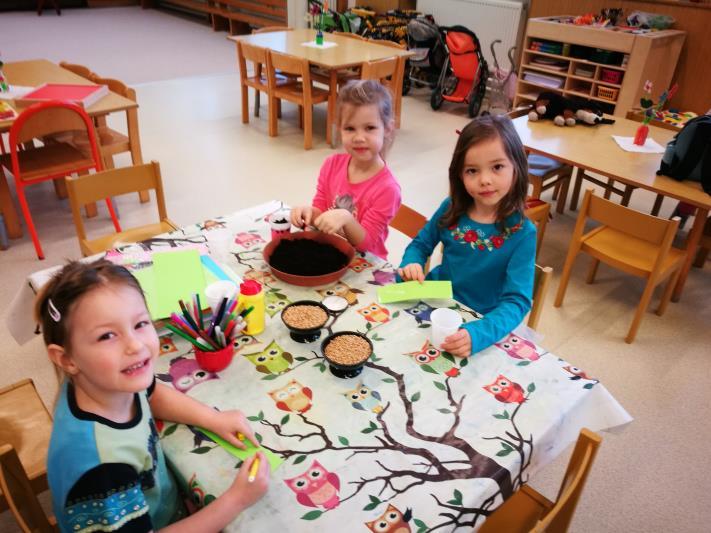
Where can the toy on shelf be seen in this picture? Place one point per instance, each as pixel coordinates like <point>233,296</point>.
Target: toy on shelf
<point>565,111</point>
<point>651,110</point>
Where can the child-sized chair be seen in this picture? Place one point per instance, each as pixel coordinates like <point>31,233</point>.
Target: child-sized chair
<point>25,427</point>
<point>704,245</point>
<point>54,159</point>
<point>528,511</point>
<point>303,93</point>
<point>541,282</point>
<point>630,241</point>
<point>538,212</point>
<point>114,182</point>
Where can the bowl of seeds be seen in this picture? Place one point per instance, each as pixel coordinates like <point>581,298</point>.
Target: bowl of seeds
<point>304,319</point>
<point>346,353</point>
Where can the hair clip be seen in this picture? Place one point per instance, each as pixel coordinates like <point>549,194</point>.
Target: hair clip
<point>53,312</point>
<point>458,132</point>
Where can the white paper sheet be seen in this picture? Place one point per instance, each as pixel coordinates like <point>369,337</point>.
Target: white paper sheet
<point>326,44</point>
<point>650,146</point>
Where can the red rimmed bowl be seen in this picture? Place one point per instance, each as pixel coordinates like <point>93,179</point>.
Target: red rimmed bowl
<point>311,281</point>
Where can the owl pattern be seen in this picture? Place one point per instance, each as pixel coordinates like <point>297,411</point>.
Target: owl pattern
<point>242,341</point>
<point>262,276</point>
<point>505,390</point>
<point>293,397</point>
<point>275,302</point>
<point>248,240</point>
<point>166,344</point>
<point>391,521</point>
<point>421,311</point>
<point>359,264</point>
<point>272,360</point>
<point>342,290</point>
<point>519,348</point>
<point>374,313</point>
<point>579,374</point>
<point>433,360</point>
<point>364,398</point>
<point>317,487</point>
<point>185,373</point>
<point>382,277</point>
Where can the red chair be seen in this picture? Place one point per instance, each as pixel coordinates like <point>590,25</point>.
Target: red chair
<point>52,160</point>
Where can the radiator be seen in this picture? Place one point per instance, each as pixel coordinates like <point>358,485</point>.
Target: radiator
<point>489,19</point>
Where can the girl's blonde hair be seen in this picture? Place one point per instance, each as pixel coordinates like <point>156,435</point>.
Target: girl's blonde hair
<point>57,299</point>
<point>481,129</point>
<point>357,93</point>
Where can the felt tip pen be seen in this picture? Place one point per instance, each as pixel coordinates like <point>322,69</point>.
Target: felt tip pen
<point>253,470</point>
<point>247,311</point>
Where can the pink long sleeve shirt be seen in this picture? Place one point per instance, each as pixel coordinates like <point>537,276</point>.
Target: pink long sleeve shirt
<point>373,202</point>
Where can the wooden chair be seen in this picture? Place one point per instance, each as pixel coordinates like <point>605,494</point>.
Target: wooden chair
<point>25,426</point>
<point>529,511</point>
<point>79,70</point>
<point>304,94</point>
<point>704,245</point>
<point>541,282</point>
<point>545,173</point>
<point>408,221</point>
<point>630,241</point>
<point>269,29</point>
<point>538,212</point>
<point>350,35</point>
<point>396,82</point>
<point>53,160</point>
<point>114,182</point>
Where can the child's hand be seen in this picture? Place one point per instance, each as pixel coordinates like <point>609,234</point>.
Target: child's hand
<point>248,492</point>
<point>459,343</point>
<point>302,217</point>
<point>333,220</point>
<point>227,424</point>
<point>412,272</point>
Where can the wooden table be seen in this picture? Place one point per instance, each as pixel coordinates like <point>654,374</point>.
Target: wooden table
<point>35,72</point>
<point>594,149</point>
<point>347,53</point>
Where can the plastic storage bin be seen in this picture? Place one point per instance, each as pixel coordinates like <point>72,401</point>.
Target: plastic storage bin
<point>607,93</point>
<point>611,76</point>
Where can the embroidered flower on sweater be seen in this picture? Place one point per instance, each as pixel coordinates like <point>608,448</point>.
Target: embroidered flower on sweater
<point>479,241</point>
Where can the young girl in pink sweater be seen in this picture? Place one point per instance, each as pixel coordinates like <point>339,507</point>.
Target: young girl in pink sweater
<point>357,196</point>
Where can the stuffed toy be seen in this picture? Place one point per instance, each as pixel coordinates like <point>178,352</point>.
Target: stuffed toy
<point>554,106</point>
<point>590,113</point>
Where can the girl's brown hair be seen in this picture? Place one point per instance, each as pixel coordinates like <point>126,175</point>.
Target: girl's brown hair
<point>358,93</point>
<point>478,130</point>
<point>56,300</point>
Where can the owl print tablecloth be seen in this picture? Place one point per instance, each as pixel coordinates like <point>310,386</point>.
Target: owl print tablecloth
<point>420,441</point>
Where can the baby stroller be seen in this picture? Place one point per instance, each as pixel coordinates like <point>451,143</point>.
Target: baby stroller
<point>425,40</point>
<point>501,85</point>
<point>463,77</point>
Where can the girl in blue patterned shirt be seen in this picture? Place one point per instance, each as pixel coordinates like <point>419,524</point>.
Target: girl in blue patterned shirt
<point>489,246</point>
<point>105,466</point>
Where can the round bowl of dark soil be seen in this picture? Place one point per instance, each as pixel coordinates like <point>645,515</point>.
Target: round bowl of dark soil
<point>346,353</point>
<point>304,319</point>
<point>309,258</point>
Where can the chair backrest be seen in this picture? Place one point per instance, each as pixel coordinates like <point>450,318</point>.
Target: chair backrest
<point>89,188</point>
<point>287,64</point>
<point>391,44</point>
<point>652,229</point>
<point>252,53</point>
<point>350,35</point>
<point>21,499</point>
<point>269,29</point>
<point>79,70</point>
<point>541,282</point>
<point>380,70</point>
<point>116,86</point>
<point>560,516</point>
<point>408,221</point>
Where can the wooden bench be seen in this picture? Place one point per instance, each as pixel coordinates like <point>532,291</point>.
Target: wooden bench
<point>236,16</point>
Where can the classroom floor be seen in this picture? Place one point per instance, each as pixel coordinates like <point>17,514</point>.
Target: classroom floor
<point>653,475</point>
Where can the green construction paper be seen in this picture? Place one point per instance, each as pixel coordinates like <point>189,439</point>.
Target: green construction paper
<point>177,275</point>
<point>274,460</point>
<point>414,290</point>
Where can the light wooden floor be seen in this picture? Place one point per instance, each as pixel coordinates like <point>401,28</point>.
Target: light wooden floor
<point>652,476</point>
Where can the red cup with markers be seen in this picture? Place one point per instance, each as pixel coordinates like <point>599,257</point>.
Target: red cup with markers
<point>217,360</point>
<point>280,223</point>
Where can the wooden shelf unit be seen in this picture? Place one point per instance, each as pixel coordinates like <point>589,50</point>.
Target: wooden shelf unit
<point>647,56</point>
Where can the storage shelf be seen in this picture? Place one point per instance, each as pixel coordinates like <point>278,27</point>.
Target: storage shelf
<point>574,59</point>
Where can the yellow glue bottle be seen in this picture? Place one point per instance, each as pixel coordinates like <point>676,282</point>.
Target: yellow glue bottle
<point>251,294</point>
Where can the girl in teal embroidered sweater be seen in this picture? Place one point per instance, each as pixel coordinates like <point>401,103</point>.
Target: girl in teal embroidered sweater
<point>489,247</point>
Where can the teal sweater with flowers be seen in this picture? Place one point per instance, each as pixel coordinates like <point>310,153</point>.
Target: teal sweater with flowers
<point>491,270</point>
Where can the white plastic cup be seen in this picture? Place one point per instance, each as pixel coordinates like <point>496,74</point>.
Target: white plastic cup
<point>280,223</point>
<point>217,291</point>
<point>445,322</point>
<point>218,241</point>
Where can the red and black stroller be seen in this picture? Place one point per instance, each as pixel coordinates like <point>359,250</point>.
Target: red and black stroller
<point>463,77</point>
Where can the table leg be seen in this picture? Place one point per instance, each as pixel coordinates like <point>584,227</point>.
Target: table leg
<point>332,94</point>
<point>692,243</point>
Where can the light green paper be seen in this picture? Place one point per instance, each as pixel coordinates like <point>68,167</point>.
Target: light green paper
<point>177,275</point>
<point>274,460</point>
<point>414,290</point>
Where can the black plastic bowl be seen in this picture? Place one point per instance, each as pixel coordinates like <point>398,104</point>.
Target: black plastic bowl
<point>305,335</point>
<point>339,369</point>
